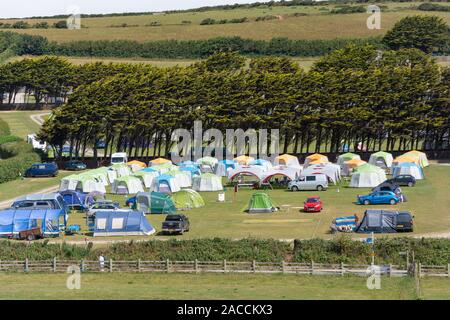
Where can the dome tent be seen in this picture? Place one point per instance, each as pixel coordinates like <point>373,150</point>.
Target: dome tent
<point>165,183</point>
<point>331,170</point>
<point>347,157</point>
<point>127,185</point>
<point>315,158</point>
<point>367,176</point>
<point>187,199</point>
<point>349,166</point>
<point>381,159</point>
<point>136,165</point>
<point>146,177</point>
<point>265,164</point>
<point>243,160</point>
<point>408,168</point>
<point>420,157</point>
<point>159,161</point>
<point>207,161</point>
<point>223,166</point>
<point>260,202</point>
<point>182,178</point>
<point>287,160</point>
<point>122,170</point>
<point>207,182</point>
<point>155,202</point>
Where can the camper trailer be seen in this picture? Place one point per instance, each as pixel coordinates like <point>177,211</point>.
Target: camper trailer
<point>119,158</point>
<point>37,144</point>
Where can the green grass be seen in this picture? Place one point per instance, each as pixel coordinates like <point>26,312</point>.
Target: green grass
<point>428,201</point>
<point>207,286</point>
<point>435,288</point>
<point>317,24</point>
<point>20,122</point>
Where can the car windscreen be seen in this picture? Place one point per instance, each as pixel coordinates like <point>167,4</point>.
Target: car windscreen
<point>312,200</point>
<point>117,159</point>
<point>173,218</point>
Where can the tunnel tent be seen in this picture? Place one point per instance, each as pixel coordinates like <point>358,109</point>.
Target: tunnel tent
<point>223,166</point>
<point>378,221</point>
<point>155,203</point>
<point>182,178</point>
<point>207,182</point>
<point>381,159</point>
<point>145,177</point>
<point>187,199</point>
<point>88,184</point>
<point>188,163</point>
<point>408,168</point>
<point>260,202</point>
<point>347,157</point>
<point>99,176</point>
<point>122,170</point>
<point>69,182</point>
<point>127,185</point>
<point>165,184</point>
<point>163,168</point>
<point>76,200</point>
<point>123,223</point>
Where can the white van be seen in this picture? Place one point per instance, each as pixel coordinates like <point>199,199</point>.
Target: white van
<point>37,144</point>
<point>118,158</point>
<point>317,182</point>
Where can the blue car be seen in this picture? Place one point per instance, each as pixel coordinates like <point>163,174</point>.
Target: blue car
<point>379,197</point>
<point>42,170</point>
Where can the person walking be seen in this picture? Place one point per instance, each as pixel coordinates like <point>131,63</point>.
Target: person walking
<point>101,261</point>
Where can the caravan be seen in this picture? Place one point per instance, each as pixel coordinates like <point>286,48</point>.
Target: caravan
<point>37,144</point>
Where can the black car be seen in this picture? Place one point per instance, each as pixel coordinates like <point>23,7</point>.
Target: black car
<point>403,180</point>
<point>405,222</point>
<point>175,223</point>
<point>387,186</point>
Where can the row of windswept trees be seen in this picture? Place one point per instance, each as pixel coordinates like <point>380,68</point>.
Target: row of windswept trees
<point>387,100</point>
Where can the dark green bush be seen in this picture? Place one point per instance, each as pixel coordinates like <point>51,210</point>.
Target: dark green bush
<point>16,156</point>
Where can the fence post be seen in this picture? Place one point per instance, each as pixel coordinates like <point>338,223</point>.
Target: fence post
<point>83,267</point>
<point>167,266</point>
<point>110,265</point>
<point>224,265</point>
<point>26,264</point>
<point>342,269</point>
<point>54,264</point>
<point>254,266</point>
<point>283,266</point>
<point>420,270</point>
<point>196,265</point>
<point>448,270</point>
<point>139,265</point>
<point>390,270</point>
<point>312,267</point>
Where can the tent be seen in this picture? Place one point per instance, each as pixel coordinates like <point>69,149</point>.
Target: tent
<point>245,170</point>
<point>122,170</point>
<point>243,160</point>
<point>155,202</point>
<point>265,164</point>
<point>127,185</point>
<point>187,163</point>
<point>331,170</point>
<point>187,199</point>
<point>136,165</point>
<point>403,159</point>
<point>182,178</point>
<point>207,161</point>
<point>69,182</point>
<point>287,160</point>
<point>207,182</point>
<point>12,221</point>
<point>128,223</point>
<point>408,168</point>
<point>163,168</point>
<point>378,221</point>
<point>165,183</point>
<point>315,158</point>
<point>381,159</point>
<point>159,161</point>
<point>100,174</point>
<point>88,184</point>
<point>290,173</point>
<point>260,203</point>
<point>421,157</point>
<point>222,167</point>
<point>192,170</point>
<point>347,157</point>
<point>76,200</point>
<point>367,176</point>
<point>146,177</point>
<point>349,166</point>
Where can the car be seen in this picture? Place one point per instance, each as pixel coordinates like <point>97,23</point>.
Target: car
<point>119,158</point>
<point>104,205</point>
<point>175,223</point>
<point>317,182</point>
<point>403,180</point>
<point>42,170</point>
<point>75,165</point>
<point>387,186</point>
<point>313,204</point>
<point>385,221</point>
<point>379,197</point>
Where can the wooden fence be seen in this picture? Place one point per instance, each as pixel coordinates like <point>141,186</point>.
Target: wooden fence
<point>167,266</point>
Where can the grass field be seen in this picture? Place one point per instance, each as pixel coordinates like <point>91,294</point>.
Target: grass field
<point>214,286</point>
<point>317,23</point>
<point>428,201</point>
<point>20,122</point>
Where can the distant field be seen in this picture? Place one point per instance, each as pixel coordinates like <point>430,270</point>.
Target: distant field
<point>317,23</point>
<point>20,122</point>
<point>213,286</point>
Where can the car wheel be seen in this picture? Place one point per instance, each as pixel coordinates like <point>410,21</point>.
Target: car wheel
<point>294,188</point>
<point>366,202</point>
<point>392,202</point>
<point>30,237</point>
<point>319,188</point>
<point>410,184</point>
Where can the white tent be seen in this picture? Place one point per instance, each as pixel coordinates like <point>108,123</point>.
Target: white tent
<point>207,182</point>
<point>127,185</point>
<point>381,159</point>
<point>367,176</point>
<point>286,160</point>
<point>90,184</point>
<point>69,183</point>
<point>291,173</point>
<point>246,170</point>
<point>165,184</point>
<point>265,164</point>
<point>408,168</point>
<point>347,157</point>
<point>112,175</point>
<point>331,170</point>
<point>182,178</point>
<point>146,177</point>
<point>122,170</point>
<point>421,157</point>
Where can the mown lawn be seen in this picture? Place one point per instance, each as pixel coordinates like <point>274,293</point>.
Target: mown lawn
<point>428,201</point>
<point>208,286</point>
<point>314,22</point>
<point>20,122</point>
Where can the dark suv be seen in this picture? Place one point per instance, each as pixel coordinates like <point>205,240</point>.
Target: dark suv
<point>403,180</point>
<point>175,223</point>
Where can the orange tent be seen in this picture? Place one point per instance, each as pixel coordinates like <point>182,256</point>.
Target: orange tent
<point>137,163</point>
<point>160,161</point>
<point>245,160</point>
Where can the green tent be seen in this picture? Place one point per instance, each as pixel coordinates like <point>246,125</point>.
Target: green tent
<point>261,203</point>
<point>187,199</point>
<point>154,202</point>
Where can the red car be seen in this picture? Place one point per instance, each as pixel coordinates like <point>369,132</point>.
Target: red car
<point>313,204</point>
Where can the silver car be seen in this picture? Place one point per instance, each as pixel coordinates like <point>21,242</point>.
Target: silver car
<point>317,182</point>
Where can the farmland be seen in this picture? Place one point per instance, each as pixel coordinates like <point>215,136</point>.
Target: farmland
<point>296,22</point>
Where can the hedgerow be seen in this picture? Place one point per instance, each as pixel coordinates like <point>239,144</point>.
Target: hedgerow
<point>16,156</point>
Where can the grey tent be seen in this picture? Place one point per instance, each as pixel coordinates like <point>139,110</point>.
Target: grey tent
<point>378,221</point>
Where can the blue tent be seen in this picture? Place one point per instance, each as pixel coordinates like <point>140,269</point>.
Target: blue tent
<point>76,200</point>
<point>408,168</point>
<point>149,169</point>
<point>188,163</point>
<point>193,170</point>
<point>258,162</point>
<point>123,223</point>
<point>13,221</point>
<point>228,163</point>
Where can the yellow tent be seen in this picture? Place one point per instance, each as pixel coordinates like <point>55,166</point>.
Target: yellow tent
<point>404,158</point>
<point>420,157</point>
<point>243,160</point>
<point>316,158</point>
<point>137,163</point>
<point>286,159</point>
<point>159,161</point>
<point>354,163</point>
